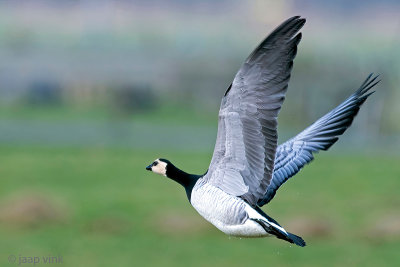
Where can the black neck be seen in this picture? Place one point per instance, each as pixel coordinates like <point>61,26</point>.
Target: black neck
<point>185,179</point>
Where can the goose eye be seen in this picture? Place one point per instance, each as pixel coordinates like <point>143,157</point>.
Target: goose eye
<point>155,163</point>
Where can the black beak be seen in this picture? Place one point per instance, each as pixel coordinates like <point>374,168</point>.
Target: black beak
<point>149,167</point>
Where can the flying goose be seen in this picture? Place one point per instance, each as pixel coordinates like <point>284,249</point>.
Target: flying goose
<point>247,166</point>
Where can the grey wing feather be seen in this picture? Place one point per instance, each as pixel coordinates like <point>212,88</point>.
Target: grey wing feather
<point>244,153</point>
<point>294,154</point>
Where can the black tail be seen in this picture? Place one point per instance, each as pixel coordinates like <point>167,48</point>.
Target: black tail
<point>291,238</point>
<point>296,240</point>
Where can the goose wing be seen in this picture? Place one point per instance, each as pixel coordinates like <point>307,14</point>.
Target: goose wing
<point>294,154</point>
<point>244,154</point>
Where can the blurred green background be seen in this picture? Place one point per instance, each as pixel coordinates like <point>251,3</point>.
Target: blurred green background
<point>91,92</point>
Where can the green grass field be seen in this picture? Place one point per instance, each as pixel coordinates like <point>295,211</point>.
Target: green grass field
<point>99,207</point>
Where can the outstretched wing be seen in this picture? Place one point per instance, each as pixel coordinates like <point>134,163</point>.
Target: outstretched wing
<point>294,154</point>
<point>244,153</point>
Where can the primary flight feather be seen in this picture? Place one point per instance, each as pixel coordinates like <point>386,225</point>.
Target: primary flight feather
<point>247,166</point>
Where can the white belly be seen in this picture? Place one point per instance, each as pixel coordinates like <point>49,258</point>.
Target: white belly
<point>248,229</point>
<point>228,213</point>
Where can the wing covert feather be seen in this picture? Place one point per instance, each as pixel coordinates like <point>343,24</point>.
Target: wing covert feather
<point>244,154</point>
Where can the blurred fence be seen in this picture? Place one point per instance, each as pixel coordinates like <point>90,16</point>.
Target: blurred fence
<point>130,58</point>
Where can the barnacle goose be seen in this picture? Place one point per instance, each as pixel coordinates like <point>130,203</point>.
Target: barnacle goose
<point>248,167</point>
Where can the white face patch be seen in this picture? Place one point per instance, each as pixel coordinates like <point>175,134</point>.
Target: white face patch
<point>160,167</point>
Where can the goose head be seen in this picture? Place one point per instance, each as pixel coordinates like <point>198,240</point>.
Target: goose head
<point>166,168</point>
<point>159,166</point>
